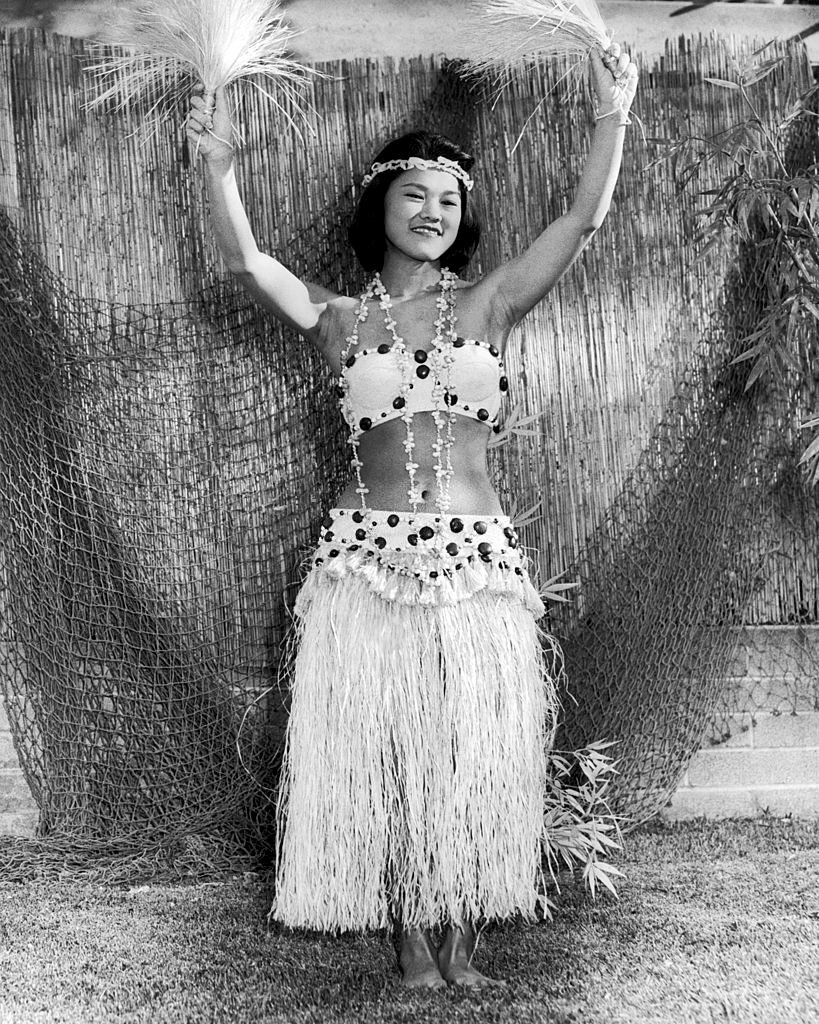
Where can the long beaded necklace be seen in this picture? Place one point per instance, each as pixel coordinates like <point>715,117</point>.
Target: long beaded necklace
<point>440,361</point>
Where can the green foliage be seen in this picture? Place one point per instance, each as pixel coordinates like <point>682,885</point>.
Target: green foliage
<point>767,207</point>
<point>580,826</point>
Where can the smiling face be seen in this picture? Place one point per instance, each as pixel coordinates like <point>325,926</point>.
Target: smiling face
<point>422,213</point>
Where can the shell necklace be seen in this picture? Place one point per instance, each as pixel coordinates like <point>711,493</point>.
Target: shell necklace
<point>440,361</point>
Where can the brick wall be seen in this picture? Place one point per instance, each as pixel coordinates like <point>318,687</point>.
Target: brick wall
<point>18,812</point>
<point>768,760</point>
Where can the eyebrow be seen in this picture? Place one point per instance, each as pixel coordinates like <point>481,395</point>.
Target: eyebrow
<point>416,184</point>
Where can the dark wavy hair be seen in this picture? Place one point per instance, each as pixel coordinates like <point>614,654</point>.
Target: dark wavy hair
<point>366,232</point>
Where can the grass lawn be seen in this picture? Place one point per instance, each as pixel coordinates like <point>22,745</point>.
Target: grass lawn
<point>715,922</point>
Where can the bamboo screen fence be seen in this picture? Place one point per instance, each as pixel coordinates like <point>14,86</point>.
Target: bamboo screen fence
<point>168,451</point>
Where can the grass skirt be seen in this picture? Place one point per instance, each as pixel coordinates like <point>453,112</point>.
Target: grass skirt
<point>422,711</point>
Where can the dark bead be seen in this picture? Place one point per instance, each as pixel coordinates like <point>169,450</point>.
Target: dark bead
<point>360,534</point>
<point>486,558</point>
<point>450,398</point>
<point>496,429</point>
<point>398,403</point>
<point>393,520</point>
<point>412,539</point>
<point>509,532</point>
<point>420,356</point>
<point>358,517</point>
<point>319,561</point>
<point>433,575</point>
<point>426,533</point>
<point>503,384</point>
<point>479,526</point>
<point>383,349</point>
<point>353,547</point>
<point>422,372</point>
<point>483,414</point>
<point>380,542</point>
<point>456,525</point>
<point>458,342</point>
<point>484,548</point>
<point>493,350</point>
<point>350,361</point>
<point>327,522</point>
<point>452,548</point>
<point>332,552</point>
<point>328,535</point>
<point>518,570</point>
<point>365,423</point>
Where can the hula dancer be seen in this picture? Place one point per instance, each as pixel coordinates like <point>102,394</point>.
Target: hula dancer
<point>422,703</point>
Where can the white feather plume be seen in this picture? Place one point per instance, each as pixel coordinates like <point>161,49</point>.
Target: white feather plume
<point>162,45</point>
<point>508,31</point>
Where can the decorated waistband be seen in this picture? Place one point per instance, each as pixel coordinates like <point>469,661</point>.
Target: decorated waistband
<point>448,537</point>
<point>421,558</point>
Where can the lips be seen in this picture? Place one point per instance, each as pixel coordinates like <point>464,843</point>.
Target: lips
<point>427,230</point>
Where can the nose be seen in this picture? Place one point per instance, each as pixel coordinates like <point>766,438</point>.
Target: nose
<point>431,210</point>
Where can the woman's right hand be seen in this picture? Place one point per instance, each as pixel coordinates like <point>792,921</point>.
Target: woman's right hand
<point>209,127</point>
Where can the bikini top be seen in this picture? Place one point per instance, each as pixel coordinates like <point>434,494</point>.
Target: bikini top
<point>476,383</point>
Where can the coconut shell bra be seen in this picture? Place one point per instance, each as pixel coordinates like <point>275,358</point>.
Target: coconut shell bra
<point>476,381</point>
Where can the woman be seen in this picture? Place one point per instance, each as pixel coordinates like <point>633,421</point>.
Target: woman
<point>422,709</point>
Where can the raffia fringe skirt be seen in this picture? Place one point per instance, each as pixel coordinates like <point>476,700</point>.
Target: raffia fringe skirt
<point>422,710</point>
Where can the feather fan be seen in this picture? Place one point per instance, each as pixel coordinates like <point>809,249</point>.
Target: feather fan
<point>162,47</point>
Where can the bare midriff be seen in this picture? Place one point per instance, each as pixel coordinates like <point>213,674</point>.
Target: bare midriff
<point>384,470</point>
<point>382,448</point>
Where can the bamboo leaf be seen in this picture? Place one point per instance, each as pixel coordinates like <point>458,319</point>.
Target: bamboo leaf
<point>723,83</point>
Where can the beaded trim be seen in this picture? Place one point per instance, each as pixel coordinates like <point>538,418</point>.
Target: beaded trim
<point>440,364</point>
<point>442,163</point>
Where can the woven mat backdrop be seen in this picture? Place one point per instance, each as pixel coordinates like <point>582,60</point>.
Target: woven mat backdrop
<point>167,451</point>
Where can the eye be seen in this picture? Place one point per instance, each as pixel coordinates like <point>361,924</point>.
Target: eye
<point>451,202</point>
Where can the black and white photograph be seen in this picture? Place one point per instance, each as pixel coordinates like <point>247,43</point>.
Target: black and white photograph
<point>409,512</point>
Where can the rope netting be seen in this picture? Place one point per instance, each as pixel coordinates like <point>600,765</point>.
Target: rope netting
<point>168,451</point>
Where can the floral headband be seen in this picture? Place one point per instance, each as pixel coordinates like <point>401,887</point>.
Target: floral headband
<point>441,164</point>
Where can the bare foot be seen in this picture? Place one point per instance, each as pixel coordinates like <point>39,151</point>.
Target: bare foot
<point>455,956</point>
<point>418,961</point>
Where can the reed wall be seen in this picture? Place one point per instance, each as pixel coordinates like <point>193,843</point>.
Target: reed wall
<point>121,218</point>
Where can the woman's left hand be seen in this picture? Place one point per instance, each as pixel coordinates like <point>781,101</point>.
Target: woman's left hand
<point>614,78</point>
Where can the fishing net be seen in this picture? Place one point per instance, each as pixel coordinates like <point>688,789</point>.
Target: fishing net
<point>168,451</point>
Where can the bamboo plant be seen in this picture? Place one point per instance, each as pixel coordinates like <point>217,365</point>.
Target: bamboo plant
<point>767,204</point>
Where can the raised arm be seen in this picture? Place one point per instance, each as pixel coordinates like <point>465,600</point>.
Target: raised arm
<point>521,283</point>
<point>289,299</point>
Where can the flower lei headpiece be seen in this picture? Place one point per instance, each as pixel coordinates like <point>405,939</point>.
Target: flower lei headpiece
<point>442,163</point>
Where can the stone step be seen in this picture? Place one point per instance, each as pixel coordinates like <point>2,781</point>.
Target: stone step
<point>743,802</point>
<point>767,729</point>
<point>15,796</point>
<point>8,755</point>
<point>19,823</point>
<point>743,766</point>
